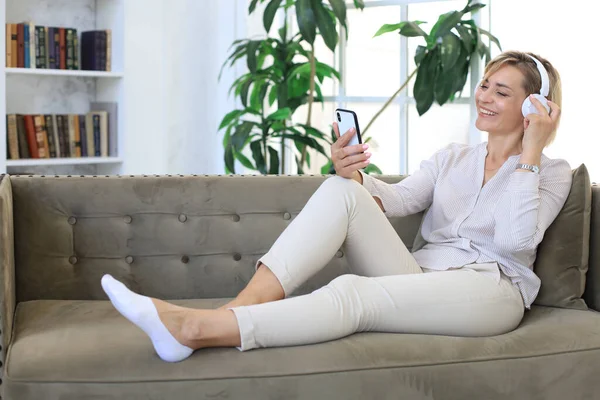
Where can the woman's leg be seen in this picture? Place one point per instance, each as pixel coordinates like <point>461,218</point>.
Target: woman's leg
<point>340,212</point>
<point>456,302</point>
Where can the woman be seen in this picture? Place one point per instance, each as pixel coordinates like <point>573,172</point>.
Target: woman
<point>473,277</point>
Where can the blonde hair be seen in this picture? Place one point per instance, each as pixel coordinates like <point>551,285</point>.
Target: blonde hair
<point>533,81</point>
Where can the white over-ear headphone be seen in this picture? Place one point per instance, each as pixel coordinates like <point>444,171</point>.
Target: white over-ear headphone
<point>528,107</point>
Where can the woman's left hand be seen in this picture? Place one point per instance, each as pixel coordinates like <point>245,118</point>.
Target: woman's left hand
<point>538,127</point>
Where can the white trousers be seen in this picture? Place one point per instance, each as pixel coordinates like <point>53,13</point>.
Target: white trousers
<point>387,290</point>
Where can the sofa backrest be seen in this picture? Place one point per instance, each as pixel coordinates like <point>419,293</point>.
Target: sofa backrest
<point>170,237</point>
<point>592,286</point>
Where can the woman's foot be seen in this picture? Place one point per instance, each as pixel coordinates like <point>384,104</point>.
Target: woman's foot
<point>164,323</point>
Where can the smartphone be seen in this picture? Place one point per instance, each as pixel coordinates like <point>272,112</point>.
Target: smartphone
<point>347,119</point>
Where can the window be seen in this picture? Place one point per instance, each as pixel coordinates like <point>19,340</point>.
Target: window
<point>374,68</point>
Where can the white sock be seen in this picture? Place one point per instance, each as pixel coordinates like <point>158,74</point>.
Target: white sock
<point>141,311</point>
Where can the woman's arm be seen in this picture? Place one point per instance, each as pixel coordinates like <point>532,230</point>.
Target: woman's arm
<point>530,204</point>
<point>412,194</point>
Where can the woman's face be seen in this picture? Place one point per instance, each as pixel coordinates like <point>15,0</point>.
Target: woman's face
<point>499,99</point>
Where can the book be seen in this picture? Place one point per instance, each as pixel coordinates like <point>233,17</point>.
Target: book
<point>83,135</point>
<point>20,46</point>
<point>9,54</point>
<point>41,136</point>
<point>108,66</point>
<point>70,49</point>
<point>50,132</point>
<point>50,48</point>
<point>62,51</point>
<point>22,133</point>
<point>32,46</point>
<point>26,46</point>
<point>31,136</point>
<point>14,45</point>
<point>76,51</point>
<point>12,137</point>
<point>111,109</point>
<point>94,50</point>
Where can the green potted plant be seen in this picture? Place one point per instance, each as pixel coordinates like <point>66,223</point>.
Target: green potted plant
<point>444,61</point>
<point>283,74</point>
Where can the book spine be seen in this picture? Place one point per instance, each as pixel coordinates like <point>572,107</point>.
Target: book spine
<point>32,46</point>
<point>70,48</point>
<point>108,50</point>
<point>20,45</point>
<point>47,46</point>
<point>97,144</point>
<point>22,133</point>
<point>26,46</point>
<point>31,136</point>
<point>72,140</point>
<point>8,40</point>
<point>83,136</point>
<point>62,40</point>
<point>14,45</point>
<point>50,131</point>
<point>77,135</point>
<point>40,47</point>
<point>75,50</point>
<point>13,137</point>
<point>55,135</point>
<point>101,51</point>
<point>39,137</point>
<point>56,48</point>
<point>50,49</point>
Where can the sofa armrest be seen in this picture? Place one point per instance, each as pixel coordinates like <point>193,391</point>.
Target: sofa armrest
<point>7,268</point>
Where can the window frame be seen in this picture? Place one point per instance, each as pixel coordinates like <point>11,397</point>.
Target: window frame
<point>340,99</point>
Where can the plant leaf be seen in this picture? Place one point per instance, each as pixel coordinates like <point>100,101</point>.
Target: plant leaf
<point>444,84</point>
<point>407,28</point>
<point>327,168</point>
<point>244,92</point>
<point>230,116</point>
<point>269,14</point>
<point>258,156</point>
<point>466,38</point>
<point>359,4</point>
<point>492,37</point>
<point>326,24</point>
<point>305,140</point>
<point>252,6</point>
<point>243,159</point>
<point>239,137</point>
<point>471,8</point>
<point>229,164</point>
<point>389,28</point>
<point>419,54</point>
<point>339,9</point>
<point>281,114</point>
<point>274,158</point>
<point>251,55</point>
<point>306,20</point>
<point>450,50</point>
<point>424,85</point>
<point>444,24</point>
<point>272,95</point>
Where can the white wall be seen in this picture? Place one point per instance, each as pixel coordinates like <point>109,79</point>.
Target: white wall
<point>174,103</point>
<point>565,35</point>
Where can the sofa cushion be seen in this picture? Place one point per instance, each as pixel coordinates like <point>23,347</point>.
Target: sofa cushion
<point>85,349</point>
<point>563,255</point>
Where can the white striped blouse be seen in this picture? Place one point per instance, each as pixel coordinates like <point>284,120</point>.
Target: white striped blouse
<point>503,221</point>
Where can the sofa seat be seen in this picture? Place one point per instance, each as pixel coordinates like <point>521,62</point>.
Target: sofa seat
<point>85,349</point>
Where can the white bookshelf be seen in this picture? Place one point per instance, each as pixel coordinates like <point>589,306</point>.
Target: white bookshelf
<point>44,91</point>
<point>58,72</point>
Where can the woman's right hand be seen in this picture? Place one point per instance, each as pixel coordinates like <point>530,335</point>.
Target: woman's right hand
<point>347,160</point>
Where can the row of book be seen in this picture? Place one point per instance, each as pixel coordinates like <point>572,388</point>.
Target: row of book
<point>58,135</point>
<point>33,46</point>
